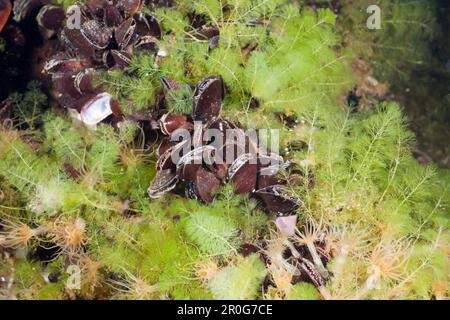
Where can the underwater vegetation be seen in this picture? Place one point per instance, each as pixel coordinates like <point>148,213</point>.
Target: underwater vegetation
<point>89,209</point>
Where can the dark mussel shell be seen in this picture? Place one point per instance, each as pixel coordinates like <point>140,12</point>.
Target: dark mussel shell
<point>164,145</point>
<point>213,43</point>
<point>96,8</point>
<point>309,268</point>
<point>269,165</point>
<point>167,159</point>
<point>248,49</point>
<point>108,59</point>
<point>278,199</point>
<point>170,122</point>
<point>230,152</point>
<point>112,16</point>
<point>190,191</point>
<point>147,25</point>
<point>169,84</point>
<point>5,12</point>
<point>129,7</point>
<point>84,81</point>
<point>194,156</point>
<point>208,32</point>
<point>163,182</point>
<point>188,171</point>
<point>64,85</point>
<point>243,173</point>
<point>64,64</point>
<point>122,59</point>
<point>229,132</point>
<point>148,43</point>
<point>205,185</point>
<point>219,169</point>
<point>76,42</point>
<point>51,18</point>
<point>98,35</point>
<point>265,181</point>
<point>189,164</point>
<point>208,98</point>
<point>125,33</point>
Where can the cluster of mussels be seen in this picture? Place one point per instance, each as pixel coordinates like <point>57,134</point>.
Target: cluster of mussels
<point>108,33</point>
<point>102,34</point>
<point>204,160</point>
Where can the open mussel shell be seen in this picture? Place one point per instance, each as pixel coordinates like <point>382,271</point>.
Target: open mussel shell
<point>50,19</point>
<point>208,98</point>
<point>163,182</point>
<point>125,33</point>
<point>147,25</point>
<point>5,12</point>
<point>108,59</point>
<point>97,109</point>
<point>287,225</point>
<point>205,184</point>
<point>278,199</point>
<point>243,173</point>
<point>164,145</point>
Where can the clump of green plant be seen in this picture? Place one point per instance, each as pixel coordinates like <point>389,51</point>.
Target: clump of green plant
<point>241,281</point>
<point>28,107</point>
<point>402,42</point>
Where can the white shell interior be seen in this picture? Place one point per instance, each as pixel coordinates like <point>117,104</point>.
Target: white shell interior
<point>96,109</point>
